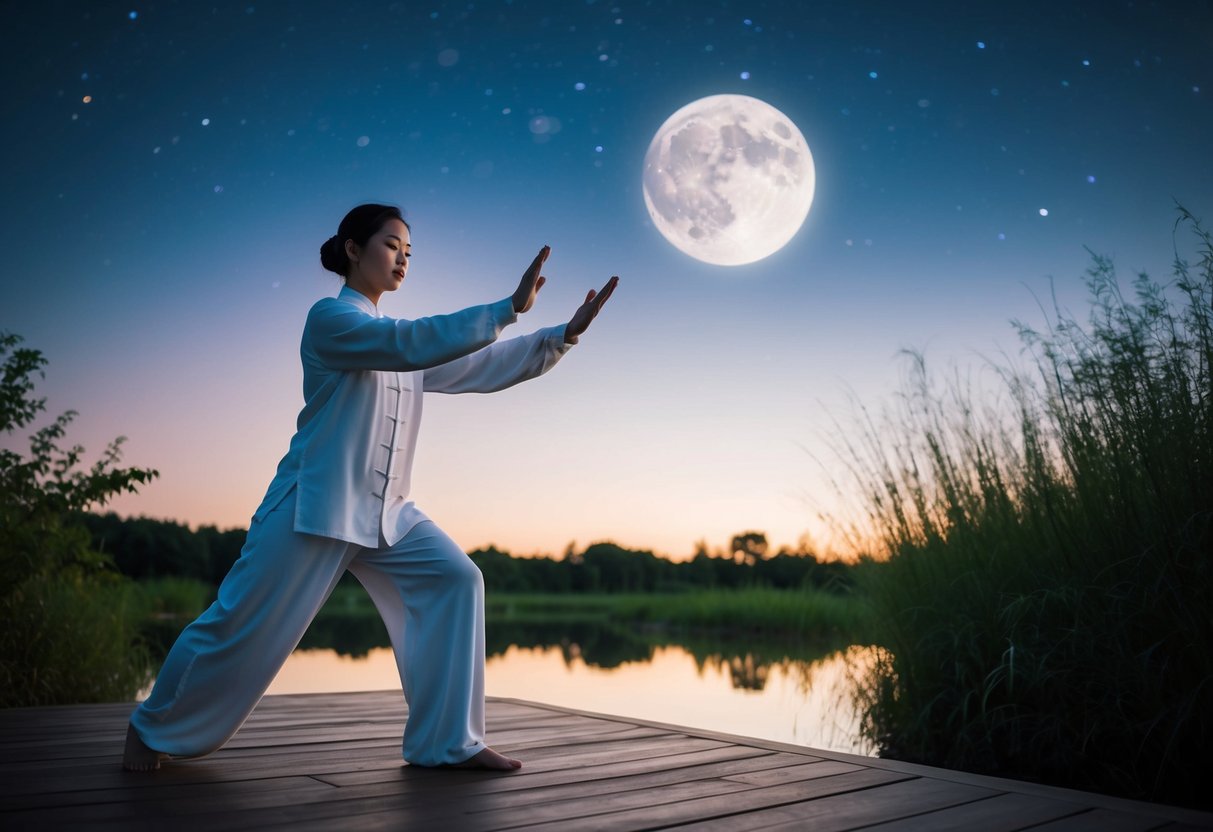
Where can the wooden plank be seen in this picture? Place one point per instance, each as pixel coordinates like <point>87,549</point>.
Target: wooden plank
<point>292,784</point>
<point>844,811</point>
<point>734,802</point>
<point>222,766</point>
<point>1000,813</point>
<point>251,742</point>
<point>793,773</point>
<point>579,789</point>
<point>537,774</point>
<point>416,817</point>
<point>598,753</point>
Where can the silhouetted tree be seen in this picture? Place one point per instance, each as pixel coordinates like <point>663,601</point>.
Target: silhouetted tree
<point>622,570</point>
<point>502,573</point>
<point>145,548</point>
<point>749,547</point>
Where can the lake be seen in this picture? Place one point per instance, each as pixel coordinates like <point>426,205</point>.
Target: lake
<point>795,700</point>
<point>798,691</point>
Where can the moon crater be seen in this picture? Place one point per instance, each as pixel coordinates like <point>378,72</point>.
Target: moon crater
<point>728,179</point>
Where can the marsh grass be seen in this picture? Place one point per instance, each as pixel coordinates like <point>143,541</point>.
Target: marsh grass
<point>172,597</point>
<point>1040,573</point>
<point>753,611</point>
<point>71,638</point>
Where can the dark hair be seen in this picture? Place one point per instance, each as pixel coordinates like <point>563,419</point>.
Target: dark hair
<point>359,225</point>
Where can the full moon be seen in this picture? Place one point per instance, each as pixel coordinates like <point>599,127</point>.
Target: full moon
<point>728,179</point>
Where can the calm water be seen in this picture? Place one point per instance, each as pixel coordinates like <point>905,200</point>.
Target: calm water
<point>794,692</point>
<point>806,702</point>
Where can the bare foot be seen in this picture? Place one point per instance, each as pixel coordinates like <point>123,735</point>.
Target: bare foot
<point>487,758</point>
<point>137,756</point>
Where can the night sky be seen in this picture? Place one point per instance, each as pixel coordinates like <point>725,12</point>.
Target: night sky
<point>171,169</point>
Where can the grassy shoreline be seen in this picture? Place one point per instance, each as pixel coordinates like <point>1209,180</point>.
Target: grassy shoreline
<point>756,610</point>
<point>753,610</point>
<point>736,613</point>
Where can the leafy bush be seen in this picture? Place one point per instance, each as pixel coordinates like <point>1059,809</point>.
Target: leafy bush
<point>70,631</point>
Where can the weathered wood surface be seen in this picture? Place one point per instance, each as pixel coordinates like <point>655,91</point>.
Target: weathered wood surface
<point>332,761</point>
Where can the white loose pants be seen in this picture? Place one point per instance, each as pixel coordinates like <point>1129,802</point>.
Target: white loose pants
<point>429,593</point>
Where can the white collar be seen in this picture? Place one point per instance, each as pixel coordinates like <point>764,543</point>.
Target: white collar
<point>360,300</point>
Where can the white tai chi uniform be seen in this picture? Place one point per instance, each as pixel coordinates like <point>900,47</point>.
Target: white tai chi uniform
<point>340,501</point>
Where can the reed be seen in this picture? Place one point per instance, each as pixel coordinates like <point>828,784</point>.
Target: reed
<point>1040,566</point>
<point>70,638</point>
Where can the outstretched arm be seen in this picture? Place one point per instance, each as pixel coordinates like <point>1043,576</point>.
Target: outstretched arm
<point>506,363</point>
<point>342,336</point>
<point>345,337</point>
<point>499,365</point>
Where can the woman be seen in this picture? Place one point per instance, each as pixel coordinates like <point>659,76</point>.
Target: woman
<point>340,501</point>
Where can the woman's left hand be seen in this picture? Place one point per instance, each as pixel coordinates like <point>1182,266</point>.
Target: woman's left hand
<point>581,319</point>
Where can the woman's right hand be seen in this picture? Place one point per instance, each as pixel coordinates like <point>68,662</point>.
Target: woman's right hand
<point>532,281</point>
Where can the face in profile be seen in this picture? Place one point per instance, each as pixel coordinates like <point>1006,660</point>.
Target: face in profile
<point>380,265</point>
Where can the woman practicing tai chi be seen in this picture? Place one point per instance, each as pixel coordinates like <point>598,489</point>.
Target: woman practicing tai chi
<point>340,501</point>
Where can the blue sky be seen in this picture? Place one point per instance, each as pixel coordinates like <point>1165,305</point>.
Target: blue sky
<point>162,236</point>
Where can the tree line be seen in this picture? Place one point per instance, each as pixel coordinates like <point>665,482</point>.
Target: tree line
<point>147,548</point>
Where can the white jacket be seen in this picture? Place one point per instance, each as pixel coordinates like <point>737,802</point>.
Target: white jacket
<point>351,457</point>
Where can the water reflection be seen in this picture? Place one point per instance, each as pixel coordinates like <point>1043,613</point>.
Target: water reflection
<point>796,692</point>
<point>595,643</point>
<point>802,702</point>
<point>799,692</point>
<point>591,642</point>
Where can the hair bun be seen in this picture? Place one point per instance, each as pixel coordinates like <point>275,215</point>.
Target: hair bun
<point>332,257</point>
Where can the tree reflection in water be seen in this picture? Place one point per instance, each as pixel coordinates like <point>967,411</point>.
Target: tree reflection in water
<point>747,661</point>
<point>798,691</point>
<point>748,674</point>
<point>591,642</point>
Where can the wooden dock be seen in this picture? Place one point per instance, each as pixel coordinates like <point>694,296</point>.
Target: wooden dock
<point>332,761</point>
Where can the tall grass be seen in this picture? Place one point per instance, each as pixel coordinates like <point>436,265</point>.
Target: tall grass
<point>170,597</point>
<point>70,638</point>
<point>1041,575</point>
<point>739,612</point>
